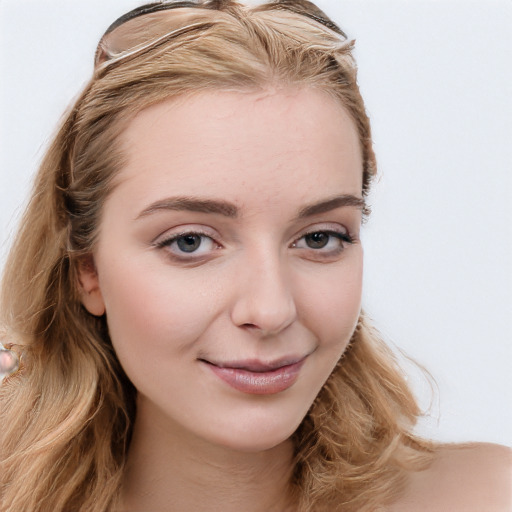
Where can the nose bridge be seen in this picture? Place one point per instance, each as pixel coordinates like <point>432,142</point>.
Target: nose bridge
<point>264,298</point>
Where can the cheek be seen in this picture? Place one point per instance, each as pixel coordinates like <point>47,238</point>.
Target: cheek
<point>332,302</point>
<point>150,314</point>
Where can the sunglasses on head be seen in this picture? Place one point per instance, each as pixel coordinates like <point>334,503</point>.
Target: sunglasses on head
<point>168,19</point>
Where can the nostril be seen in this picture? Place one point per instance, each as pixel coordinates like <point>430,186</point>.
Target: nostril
<point>249,326</point>
<point>264,306</point>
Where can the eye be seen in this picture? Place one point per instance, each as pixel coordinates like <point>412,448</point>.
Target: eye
<point>317,240</point>
<point>188,245</point>
<point>324,242</point>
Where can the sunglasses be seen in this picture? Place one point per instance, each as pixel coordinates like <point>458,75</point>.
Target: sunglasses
<point>131,35</point>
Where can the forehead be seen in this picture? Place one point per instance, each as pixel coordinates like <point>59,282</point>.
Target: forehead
<point>224,142</point>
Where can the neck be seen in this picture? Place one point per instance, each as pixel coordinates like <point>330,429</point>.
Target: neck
<point>169,469</point>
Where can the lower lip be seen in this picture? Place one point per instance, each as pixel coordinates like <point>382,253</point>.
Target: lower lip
<point>259,383</point>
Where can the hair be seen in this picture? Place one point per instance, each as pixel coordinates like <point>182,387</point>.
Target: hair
<point>66,416</point>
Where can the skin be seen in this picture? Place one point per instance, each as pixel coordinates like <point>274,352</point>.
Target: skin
<point>254,290</point>
<point>474,477</point>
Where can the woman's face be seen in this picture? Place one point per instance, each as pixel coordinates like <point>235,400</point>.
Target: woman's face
<point>229,263</point>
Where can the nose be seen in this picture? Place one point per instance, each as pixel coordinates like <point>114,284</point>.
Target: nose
<point>264,299</point>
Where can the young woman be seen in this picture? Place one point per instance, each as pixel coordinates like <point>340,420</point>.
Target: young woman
<point>185,290</point>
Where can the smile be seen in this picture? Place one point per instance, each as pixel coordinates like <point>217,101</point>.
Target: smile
<point>258,378</point>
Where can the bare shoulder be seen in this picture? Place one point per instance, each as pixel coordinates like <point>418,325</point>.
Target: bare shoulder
<point>473,477</point>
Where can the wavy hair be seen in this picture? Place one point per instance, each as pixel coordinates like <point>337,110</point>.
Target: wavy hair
<point>66,416</point>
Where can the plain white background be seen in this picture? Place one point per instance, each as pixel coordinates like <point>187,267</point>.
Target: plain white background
<point>436,77</point>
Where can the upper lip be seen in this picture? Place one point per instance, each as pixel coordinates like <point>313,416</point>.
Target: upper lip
<point>255,365</point>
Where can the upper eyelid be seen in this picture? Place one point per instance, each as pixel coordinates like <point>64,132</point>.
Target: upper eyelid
<point>334,227</point>
<point>343,237</point>
<point>171,234</point>
<point>167,242</point>
<point>173,238</point>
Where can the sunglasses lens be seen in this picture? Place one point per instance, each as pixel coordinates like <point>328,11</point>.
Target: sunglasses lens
<point>141,31</point>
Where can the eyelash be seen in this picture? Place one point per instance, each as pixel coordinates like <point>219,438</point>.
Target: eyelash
<point>167,243</point>
<point>344,238</point>
<point>320,254</point>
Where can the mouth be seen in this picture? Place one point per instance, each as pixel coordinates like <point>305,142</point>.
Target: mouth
<point>258,377</point>
<point>255,365</point>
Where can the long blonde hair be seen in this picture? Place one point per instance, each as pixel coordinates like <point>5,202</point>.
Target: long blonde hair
<point>66,417</point>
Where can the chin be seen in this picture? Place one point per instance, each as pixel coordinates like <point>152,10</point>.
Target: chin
<point>255,436</point>
<point>254,443</point>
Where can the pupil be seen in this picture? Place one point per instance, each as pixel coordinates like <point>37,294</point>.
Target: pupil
<point>317,240</point>
<point>188,243</point>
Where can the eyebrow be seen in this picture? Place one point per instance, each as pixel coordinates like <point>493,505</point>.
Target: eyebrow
<point>331,204</point>
<point>192,204</point>
<point>228,209</point>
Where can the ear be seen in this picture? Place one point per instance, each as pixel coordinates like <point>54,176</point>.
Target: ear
<point>90,292</point>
